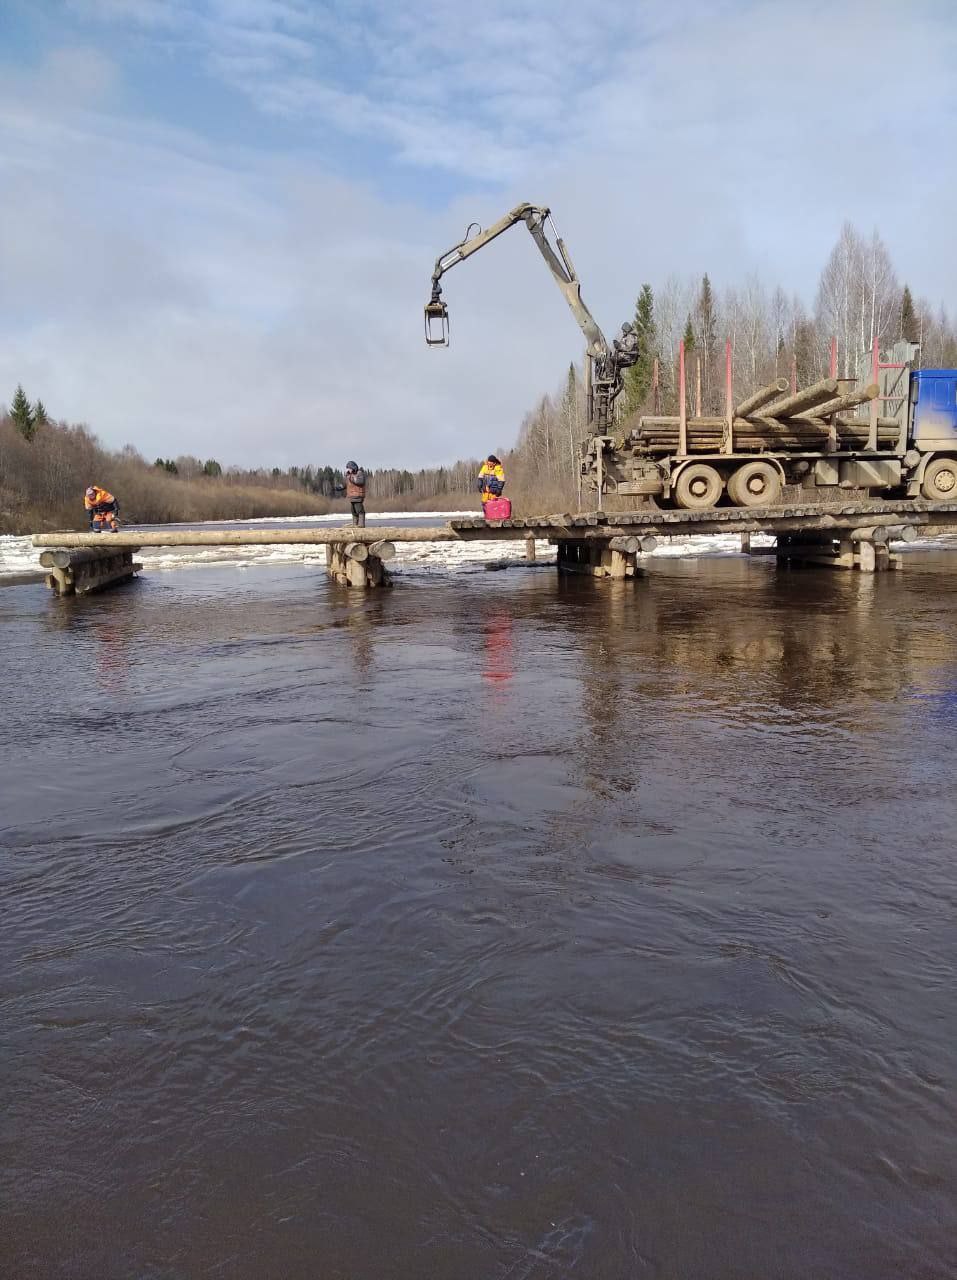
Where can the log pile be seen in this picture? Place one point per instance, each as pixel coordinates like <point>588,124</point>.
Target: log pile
<point>819,418</point>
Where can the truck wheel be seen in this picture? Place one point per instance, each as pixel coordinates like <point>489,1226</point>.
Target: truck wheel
<point>756,484</point>
<point>698,487</point>
<point>940,481</point>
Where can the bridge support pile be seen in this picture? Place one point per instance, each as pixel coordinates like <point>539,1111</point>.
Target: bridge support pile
<point>865,549</point>
<point>77,570</point>
<point>359,564</point>
<point>612,558</point>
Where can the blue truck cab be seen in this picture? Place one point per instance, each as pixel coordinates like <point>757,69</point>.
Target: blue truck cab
<point>933,406</point>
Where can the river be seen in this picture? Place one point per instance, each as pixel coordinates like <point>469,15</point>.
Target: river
<point>495,925</point>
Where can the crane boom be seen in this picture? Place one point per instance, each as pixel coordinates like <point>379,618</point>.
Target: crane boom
<point>556,258</point>
<point>604,362</point>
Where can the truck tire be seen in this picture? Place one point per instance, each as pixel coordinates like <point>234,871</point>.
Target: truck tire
<point>698,487</point>
<point>940,480</point>
<point>756,484</point>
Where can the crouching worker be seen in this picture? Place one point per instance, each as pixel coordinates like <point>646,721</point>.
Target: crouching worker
<point>102,509</point>
<point>491,483</point>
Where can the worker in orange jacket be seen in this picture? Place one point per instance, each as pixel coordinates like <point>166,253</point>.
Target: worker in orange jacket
<point>102,509</point>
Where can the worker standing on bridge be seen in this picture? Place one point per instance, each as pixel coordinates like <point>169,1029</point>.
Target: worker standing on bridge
<point>491,480</point>
<point>102,509</point>
<point>356,493</point>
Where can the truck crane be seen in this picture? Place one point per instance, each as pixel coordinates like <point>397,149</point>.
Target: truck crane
<point>604,361</point>
<point>814,438</point>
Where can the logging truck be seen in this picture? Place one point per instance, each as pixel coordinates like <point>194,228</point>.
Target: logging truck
<point>815,438</point>
<point>904,445</point>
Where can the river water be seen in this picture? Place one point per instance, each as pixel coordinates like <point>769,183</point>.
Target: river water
<point>494,925</point>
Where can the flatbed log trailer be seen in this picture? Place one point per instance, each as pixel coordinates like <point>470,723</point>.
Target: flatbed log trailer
<point>810,438</point>
<point>776,437</point>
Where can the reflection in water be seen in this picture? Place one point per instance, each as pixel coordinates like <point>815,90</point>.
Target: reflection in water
<point>651,975</point>
<point>112,654</point>
<point>497,669</point>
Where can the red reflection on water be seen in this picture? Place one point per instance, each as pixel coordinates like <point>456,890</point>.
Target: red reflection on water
<point>499,662</point>
<point>112,656</point>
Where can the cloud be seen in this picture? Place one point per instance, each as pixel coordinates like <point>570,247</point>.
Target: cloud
<point>263,304</point>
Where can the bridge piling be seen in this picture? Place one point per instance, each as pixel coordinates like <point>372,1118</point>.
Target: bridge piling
<point>864,550</point>
<point>358,564</point>
<point>78,570</point>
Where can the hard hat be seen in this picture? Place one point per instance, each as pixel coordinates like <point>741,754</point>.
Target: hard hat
<point>91,492</point>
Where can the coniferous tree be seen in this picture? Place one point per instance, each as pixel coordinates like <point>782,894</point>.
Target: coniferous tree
<point>22,414</point>
<point>910,325</point>
<point>805,353</point>
<point>638,377</point>
<point>40,415</point>
<point>707,335</point>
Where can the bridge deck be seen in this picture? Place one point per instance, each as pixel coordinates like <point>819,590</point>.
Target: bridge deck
<point>936,517</point>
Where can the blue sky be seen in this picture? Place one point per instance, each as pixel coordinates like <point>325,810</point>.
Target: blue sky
<point>219,216</point>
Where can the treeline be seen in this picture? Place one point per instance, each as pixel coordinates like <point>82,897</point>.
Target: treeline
<point>45,466</point>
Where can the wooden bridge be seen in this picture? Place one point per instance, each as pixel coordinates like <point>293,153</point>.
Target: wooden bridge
<point>852,535</point>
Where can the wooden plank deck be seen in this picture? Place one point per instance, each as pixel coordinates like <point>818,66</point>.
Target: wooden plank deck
<point>929,517</point>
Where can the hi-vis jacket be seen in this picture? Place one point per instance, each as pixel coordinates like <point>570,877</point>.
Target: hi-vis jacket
<point>99,498</point>
<point>491,480</point>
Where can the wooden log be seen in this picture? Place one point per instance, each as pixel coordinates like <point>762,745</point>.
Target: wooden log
<point>530,550</point>
<point>858,425</point>
<point>375,572</point>
<point>259,537</point>
<point>899,533</point>
<point>764,395</point>
<point>628,543</point>
<point>847,401</point>
<point>68,557</point>
<point>882,534</point>
<point>811,434</point>
<point>817,393</point>
<point>663,420</point>
<point>356,573</point>
<point>382,550</point>
<point>78,572</point>
<point>865,558</point>
<point>357,551</point>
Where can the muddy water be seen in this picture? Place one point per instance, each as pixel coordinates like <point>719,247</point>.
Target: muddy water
<point>492,926</point>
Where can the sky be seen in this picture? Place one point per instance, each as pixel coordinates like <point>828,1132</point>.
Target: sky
<point>219,217</point>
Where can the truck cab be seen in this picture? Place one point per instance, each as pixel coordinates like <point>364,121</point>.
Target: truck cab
<point>933,406</point>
